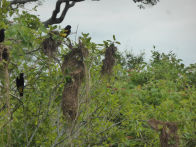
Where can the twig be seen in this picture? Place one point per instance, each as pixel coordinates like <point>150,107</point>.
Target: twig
<point>32,51</point>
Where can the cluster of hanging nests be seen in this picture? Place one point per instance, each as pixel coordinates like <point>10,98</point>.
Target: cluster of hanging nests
<point>73,66</point>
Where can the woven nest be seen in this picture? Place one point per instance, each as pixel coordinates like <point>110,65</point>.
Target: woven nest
<point>109,60</point>
<point>73,66</point>
<point>168,132</point>
<point>50,46</point>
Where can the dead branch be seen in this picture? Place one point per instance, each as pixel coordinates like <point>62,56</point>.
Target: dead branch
<point>53,19</point>
<point>68,4</point>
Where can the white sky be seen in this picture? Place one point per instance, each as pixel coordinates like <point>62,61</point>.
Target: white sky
<point>169,25</point>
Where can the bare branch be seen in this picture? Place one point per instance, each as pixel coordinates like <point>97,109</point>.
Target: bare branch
<point>68,4</point>
<point>53,19</point>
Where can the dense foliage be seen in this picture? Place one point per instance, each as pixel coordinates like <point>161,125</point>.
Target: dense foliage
<point>113,109</point>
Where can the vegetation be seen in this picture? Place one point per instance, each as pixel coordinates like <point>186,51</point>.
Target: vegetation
<point>70,99</point>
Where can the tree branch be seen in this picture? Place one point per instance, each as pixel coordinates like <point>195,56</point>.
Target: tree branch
<point>53,19</point>
<point>68,4</point>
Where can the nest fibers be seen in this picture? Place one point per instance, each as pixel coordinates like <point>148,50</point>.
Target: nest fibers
<point>109,60</point>
<point>73,65</point>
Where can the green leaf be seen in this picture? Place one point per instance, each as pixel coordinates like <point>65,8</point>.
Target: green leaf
<point>114,37</point>
<point>117,42</point>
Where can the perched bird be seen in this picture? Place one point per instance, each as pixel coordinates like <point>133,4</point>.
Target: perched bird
<point>5,54</point>
<point>2,35</point>
<point>66,31</point>
<point>20,84</point>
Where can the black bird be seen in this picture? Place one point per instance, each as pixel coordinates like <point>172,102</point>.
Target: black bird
<point>20,83</point>
<point>66,31</point>
<point>2,35</point>
<point>5,54</point>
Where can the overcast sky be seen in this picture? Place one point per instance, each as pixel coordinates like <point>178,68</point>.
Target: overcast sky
<point>169,25</point>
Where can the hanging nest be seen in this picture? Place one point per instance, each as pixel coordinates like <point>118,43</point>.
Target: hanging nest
<point>168,132</point>
<point>70,99</point>
<point>4,58</point>
<point>50,45</point>
<point>109,60</point>
<point>74,67</point>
